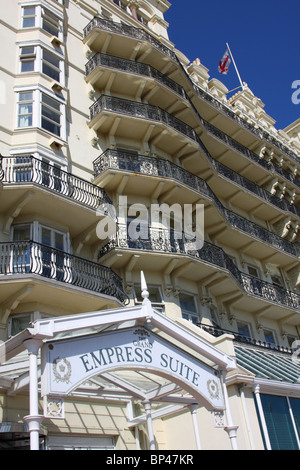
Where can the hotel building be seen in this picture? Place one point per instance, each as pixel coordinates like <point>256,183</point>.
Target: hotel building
<point>140,342</point>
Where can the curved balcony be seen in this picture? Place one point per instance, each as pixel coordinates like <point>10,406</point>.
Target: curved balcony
<point>103,33</point>
<point>133,67</point>
<point>110,27</point>
<point>32,186</point>
<point>151,166</point>
<point>23,259</point>
<point>28,169</point>
<point>164,241</point>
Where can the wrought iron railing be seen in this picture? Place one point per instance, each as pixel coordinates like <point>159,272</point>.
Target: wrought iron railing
<point>133,67</point>
<point>124,160</point>
<point>28,169</point>
<point>166,241</point>
<point>129,31</point>
<point>27,257</point>
<point>243,339</point>
<point>138,33</point>
<point>141,110</point>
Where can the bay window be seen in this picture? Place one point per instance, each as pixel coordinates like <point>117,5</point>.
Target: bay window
<point>36,108</point>
<point>37,16</point>
<point>35,58</point>
<point>25,109</point>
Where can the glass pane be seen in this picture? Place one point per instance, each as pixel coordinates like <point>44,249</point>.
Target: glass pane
<point>21,233</point>
<point>27,66</point>
<point>187,302</point>
<point>25,96</point>
<point>279,423</point>
<point>51,72</point>
<point>59,241</point>
<point>20,323</point>
<point>46,236</point>
<point>27,50</point>
<point>51,102</point>
<point>295,405</point>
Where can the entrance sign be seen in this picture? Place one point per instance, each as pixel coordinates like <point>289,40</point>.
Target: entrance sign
<point>68,363</point>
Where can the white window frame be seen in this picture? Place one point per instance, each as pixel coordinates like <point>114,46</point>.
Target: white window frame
<point>187,313</point>
<point>38,58</point>
<point>244,325</point>
<point>268,330</point>
<point>37,97</point>
<point>41,10</point>
<point>157,305</point>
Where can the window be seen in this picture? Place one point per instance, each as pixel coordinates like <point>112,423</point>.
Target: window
<point>281,431</point>
<point>155,296</point>
<point>51,115</point>
<point>34,58</point>
<point>188,307</point>
<point>252,271</point>
<point>38,109</point>
<point>39,17</point>
<point>276,281</point>
<point>19,323</point>
<point>121,4</point>
<point>25,109</point>
<point>269,336</point>
<point>50,22</point>
<point>244,329</point>
<point>27,58</point>
<point>51,65</point>
<point>29,17</point>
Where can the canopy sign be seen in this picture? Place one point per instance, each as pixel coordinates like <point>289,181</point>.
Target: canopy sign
<point>68,363</point>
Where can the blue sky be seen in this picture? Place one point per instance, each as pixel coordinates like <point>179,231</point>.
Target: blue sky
<point>264,37</point>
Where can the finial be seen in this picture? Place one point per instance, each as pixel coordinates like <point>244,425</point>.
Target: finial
<point>144,289</point>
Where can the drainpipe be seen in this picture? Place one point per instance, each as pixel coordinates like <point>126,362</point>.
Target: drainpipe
<point>231,428</point>
<point>34,419</point>
<point>147,406</point>
<point>193,409</point>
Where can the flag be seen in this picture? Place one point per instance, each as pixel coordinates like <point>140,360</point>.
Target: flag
<point>224,63</point>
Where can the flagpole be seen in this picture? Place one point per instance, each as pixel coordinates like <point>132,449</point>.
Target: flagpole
<point>233,61</point>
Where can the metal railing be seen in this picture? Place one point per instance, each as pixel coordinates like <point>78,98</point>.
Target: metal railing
<point>166,241</point>
<point>126,161</point>
<point>28,257</point>
<point>28,169</point>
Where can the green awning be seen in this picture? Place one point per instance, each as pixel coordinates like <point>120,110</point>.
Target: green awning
<point>268,364</point>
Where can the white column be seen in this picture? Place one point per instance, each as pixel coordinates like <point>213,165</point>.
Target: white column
<point>231,428</point>
<point>247,419</point>
<point>193,409</point>
<point>262,417</point>
<point>147,406</point>
<point>33,420</point>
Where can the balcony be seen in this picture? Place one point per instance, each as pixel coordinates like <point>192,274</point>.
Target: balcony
<point>24,262</point>
<point>212,258</point>
<point>31,186</point>
<point>160,168</point>
<point>127,41</point>
<point>145,123</point>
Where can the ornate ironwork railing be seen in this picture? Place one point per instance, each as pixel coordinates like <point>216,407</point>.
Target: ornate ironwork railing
<point>124,160</point>
<point>129,31</point>
<point>133,67</point>
<point>165,241</point>
<point>141,110</point>
<point>247,340</point>
<point>34,258</point>
<point>138,33</point>
<point>28,169</point>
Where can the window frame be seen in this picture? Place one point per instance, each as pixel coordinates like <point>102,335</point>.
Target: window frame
<point>41,12</point>
<point>40,50</point>
<point>188,313</point>
<point>36,122</point>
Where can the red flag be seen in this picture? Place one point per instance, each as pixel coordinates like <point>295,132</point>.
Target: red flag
<point>224,63</point>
